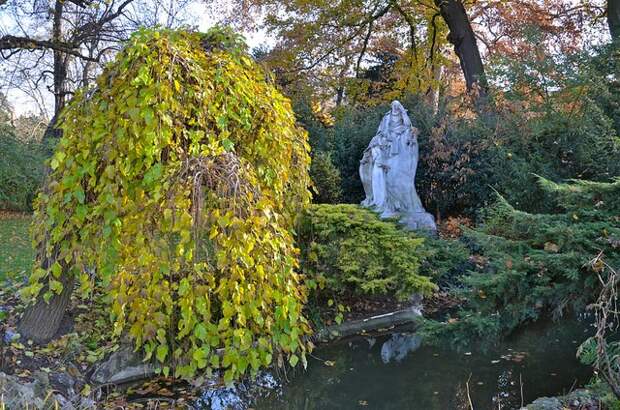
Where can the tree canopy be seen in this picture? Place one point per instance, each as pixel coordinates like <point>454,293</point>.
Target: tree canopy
<point>337,47</point>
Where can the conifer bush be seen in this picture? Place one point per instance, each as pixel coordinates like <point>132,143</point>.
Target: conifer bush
<point>529,265</point>
<point>177,181</point>
<point>353,252</point>
<point>326,179</point>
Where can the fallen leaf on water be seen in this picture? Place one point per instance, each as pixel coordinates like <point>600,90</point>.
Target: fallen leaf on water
<point>363,403</point>
<point>329,363</point>
<point>165,392</point>
<point>86,390</point>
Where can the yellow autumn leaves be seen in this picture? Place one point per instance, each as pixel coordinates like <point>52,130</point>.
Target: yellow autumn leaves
<point>177,181</point>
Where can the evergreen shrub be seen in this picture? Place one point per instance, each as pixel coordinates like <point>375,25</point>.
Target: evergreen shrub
<point>353,252</point>
<point>529,265</point>
<point>326,179</point>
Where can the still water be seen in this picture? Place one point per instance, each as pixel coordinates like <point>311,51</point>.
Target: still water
<point>368,373</point>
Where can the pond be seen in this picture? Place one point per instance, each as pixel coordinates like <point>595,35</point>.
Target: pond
<point>537,361</point>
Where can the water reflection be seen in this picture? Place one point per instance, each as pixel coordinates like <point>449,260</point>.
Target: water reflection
<point>399,345</point>
<point>394,373</point>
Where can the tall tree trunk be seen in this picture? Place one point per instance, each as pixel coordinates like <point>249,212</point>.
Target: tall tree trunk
<point>339,95</point>
<point>59,72</point>
<point>434,91</point>
<point>41,321</point>
<point>52,132</point>
<point>464,40</point>
<point>613,19</point>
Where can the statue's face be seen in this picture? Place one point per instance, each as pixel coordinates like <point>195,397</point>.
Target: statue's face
<point>395,107</point>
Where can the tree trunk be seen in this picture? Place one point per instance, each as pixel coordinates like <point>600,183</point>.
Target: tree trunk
<point>388,320</point>
<point>59,72</point>
<point>464,40</point>
<point>434,91</point>
<point>52,132</point>
<point>41,321</point>
<point>339,95</point>
<point>613,19</point>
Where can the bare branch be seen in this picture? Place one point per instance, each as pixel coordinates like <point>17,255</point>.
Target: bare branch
<point>10,42</point>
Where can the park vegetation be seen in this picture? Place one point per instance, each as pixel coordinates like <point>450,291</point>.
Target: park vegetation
<point>201,198</point>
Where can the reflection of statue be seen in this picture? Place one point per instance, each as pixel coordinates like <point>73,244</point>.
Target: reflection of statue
<point>388,169</point>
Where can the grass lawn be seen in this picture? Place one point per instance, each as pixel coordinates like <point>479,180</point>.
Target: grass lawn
<point>16,254</point>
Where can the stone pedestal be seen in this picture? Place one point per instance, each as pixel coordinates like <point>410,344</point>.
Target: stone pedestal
<point>419,220</point>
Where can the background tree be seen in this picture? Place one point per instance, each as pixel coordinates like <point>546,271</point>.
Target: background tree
<point>613,18</point>
<point>334,44</point>
<point>350,34</point>
<point>61,45</point>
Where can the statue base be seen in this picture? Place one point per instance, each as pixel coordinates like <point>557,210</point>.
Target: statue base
<point>412,221</point>
<point>419,220</point>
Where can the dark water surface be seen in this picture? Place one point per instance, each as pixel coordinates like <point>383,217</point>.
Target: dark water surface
<point>539,360</point>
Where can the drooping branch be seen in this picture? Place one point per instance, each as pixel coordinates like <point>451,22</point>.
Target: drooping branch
<point>606,315</point>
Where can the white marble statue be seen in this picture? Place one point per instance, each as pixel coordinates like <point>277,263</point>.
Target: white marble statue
<point>388,169</point>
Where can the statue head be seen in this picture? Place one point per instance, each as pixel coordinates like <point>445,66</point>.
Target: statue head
<point>397,107</point>
<point>399,111</point>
